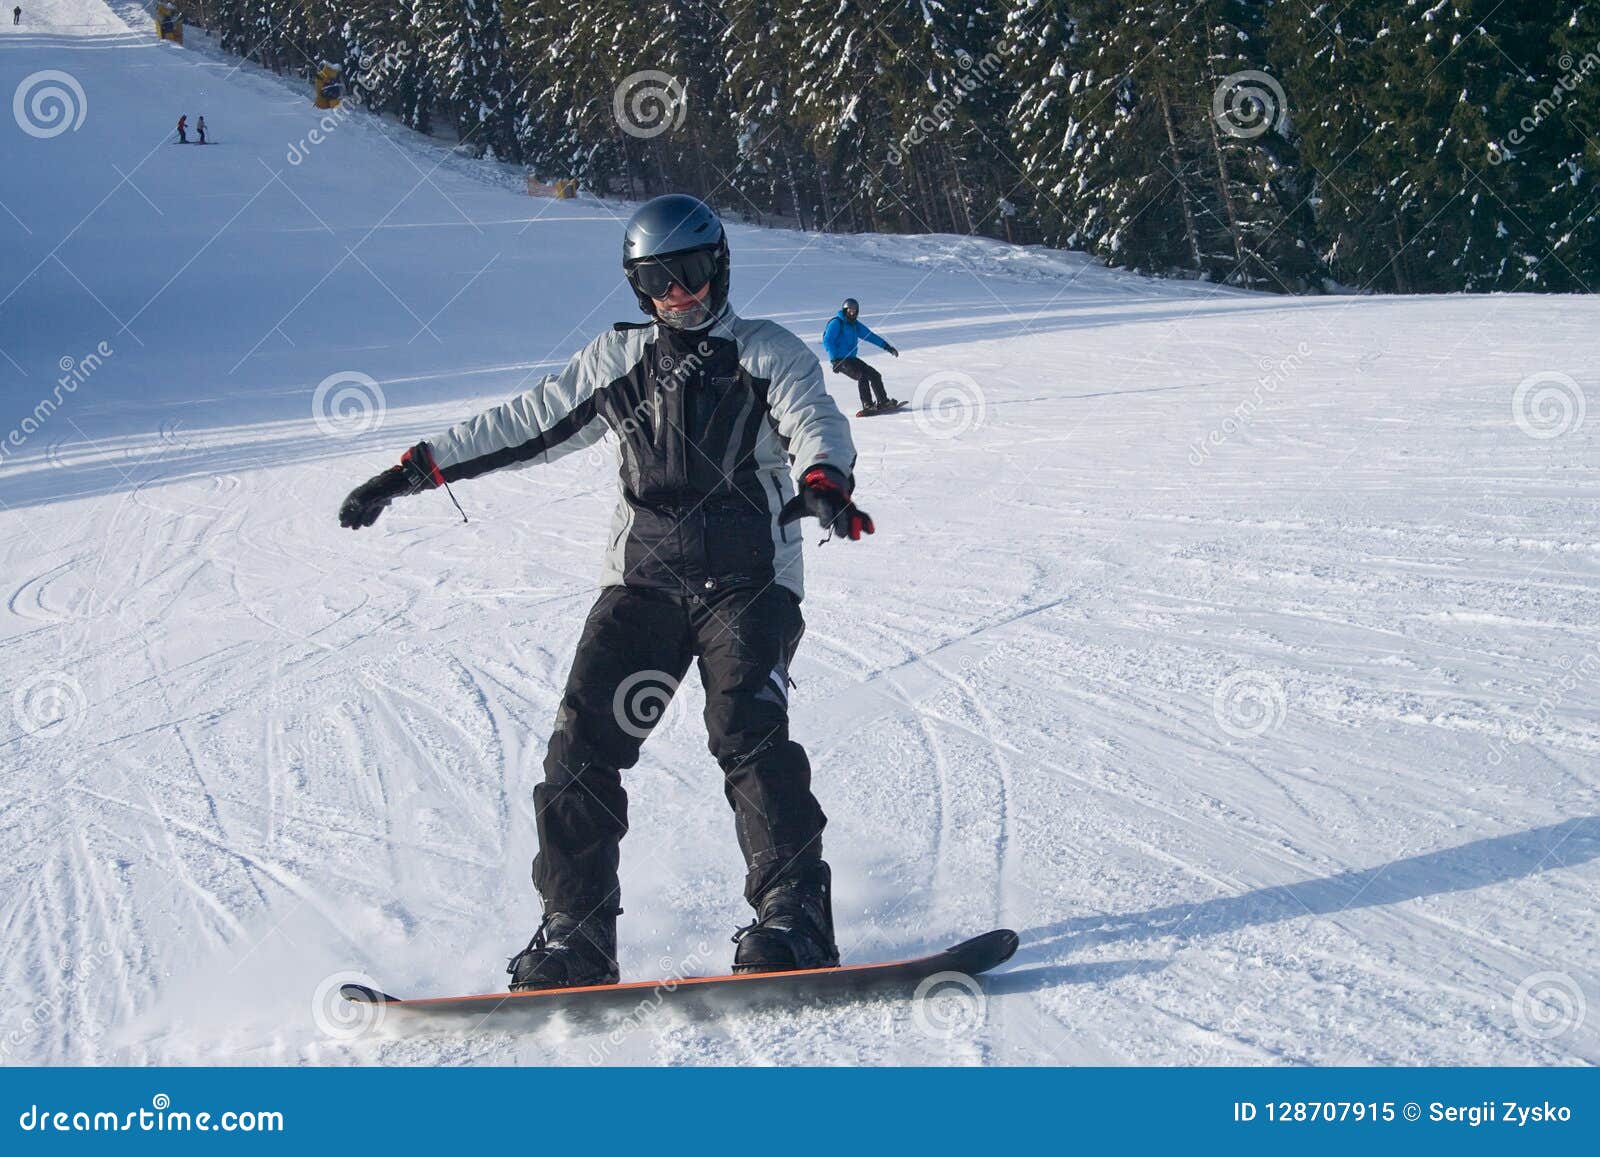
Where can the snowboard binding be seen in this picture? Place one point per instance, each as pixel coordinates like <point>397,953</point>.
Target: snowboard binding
<point>568,952</point>
<point>793,928</point>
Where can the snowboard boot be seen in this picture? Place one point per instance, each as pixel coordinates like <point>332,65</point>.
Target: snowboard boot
<point>568,952</point>
<point>793,927</point>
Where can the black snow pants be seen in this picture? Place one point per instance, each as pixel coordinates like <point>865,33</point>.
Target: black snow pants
<point>636,646</point>
<point>867,379</point>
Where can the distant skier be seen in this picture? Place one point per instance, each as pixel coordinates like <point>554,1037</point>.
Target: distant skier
<point>16,14</point>
<point>712,412</point>
<point>183,129</point>
<point>200,129</point>
<point>841,339</point>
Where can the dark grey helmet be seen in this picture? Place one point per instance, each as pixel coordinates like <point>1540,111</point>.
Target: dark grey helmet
<point>670,224</point>
<point>676,223</point>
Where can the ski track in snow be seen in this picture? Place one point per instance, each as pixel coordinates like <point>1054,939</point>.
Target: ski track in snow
<point>289,752</point>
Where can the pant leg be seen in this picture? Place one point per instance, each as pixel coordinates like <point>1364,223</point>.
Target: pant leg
<point>633,652</point>
<point>875,380</point>
<point>859,371</point>
<point>745,640</point>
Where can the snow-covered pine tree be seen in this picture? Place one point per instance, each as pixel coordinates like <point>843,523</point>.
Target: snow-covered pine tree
<point>389,67</point>
<point>877,90</point>
<point>958,146</point>
<point>594,46</point>
<point>1037,38</point>
<point>1326,63</point>
<point>530,28</point>
<point>772,166</point>
<point>1256,206</point>
<point>1405,106</point>
<point>1118,123</point>
<point>1565,170</point>
<point>1424,144</point>
<point>469,58</point>
<point>695,151</point>
<point>1104,127</point>
<point>840,96</point>
<point>1469,217</point>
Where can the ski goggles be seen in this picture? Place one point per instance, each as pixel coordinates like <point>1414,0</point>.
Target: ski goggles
<point>655,276</point>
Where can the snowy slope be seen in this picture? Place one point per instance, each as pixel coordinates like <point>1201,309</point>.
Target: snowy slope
<point>1241,652</point>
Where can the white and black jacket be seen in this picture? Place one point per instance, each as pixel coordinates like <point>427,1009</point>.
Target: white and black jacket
<point>714,429</point>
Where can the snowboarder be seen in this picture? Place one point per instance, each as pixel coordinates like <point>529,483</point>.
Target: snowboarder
<point>200,129</point>
<point>712,412</point>
<point>841,339</point>
<point>183,129</point>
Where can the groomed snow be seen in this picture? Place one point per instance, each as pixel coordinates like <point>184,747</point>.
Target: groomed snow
<point>1241,652</point>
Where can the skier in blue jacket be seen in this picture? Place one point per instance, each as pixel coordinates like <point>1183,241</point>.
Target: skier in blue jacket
<point>840,341</point>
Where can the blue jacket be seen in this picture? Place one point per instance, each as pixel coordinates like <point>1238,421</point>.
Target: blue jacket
<point>842,337</point>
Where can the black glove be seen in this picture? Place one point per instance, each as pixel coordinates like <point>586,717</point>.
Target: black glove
<point>891,351</point>
<point>825,493</point>
<point>416,472</point>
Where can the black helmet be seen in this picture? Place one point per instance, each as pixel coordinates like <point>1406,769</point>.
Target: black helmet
<point>676,223</point>
<point>852,306</point>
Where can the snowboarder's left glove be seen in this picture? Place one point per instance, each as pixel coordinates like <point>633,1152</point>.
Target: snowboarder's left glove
<point>825,493</point>
<point>416,472</point>
<point>891,351</point>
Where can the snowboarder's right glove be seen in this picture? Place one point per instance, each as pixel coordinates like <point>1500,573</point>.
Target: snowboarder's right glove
<point>825,493</point>
<point>415,473</point>
<point>891,351</point>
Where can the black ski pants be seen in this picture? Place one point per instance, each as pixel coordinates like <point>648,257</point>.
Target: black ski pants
<point>636,646</point>
<point>867,379</point>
